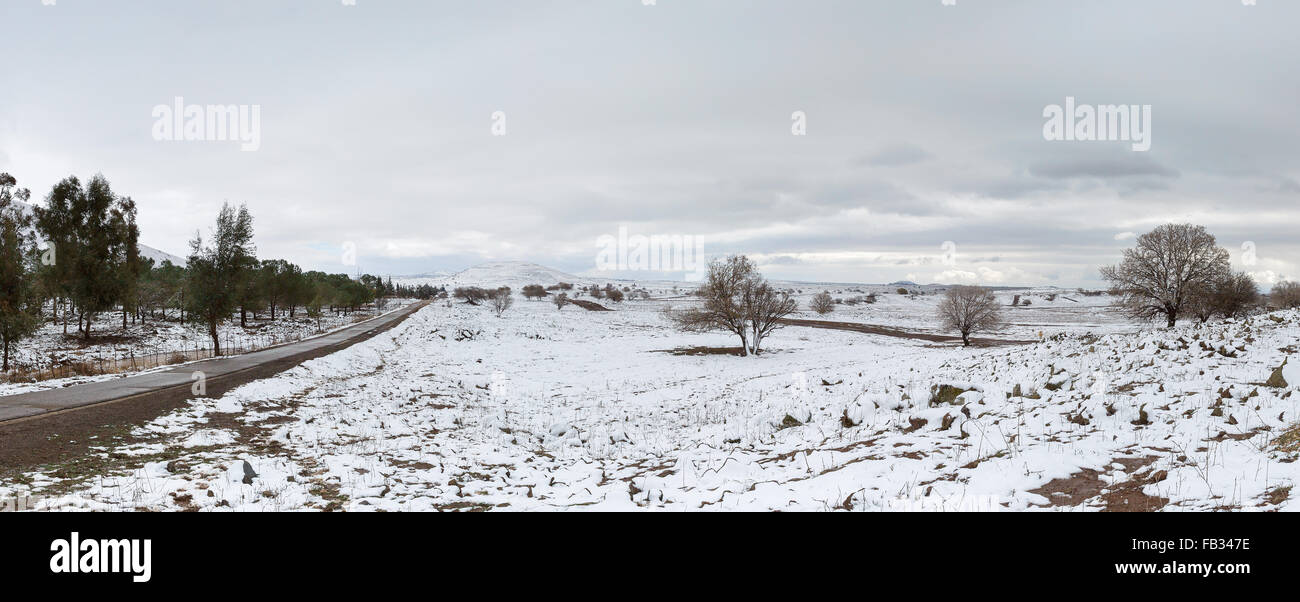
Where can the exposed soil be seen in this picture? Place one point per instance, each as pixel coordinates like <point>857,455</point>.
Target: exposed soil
<point>902,334</point>
<point>589,305</point>
<point>1125,496</point>
<point>704,351</point>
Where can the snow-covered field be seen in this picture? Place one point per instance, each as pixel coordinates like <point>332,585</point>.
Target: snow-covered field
<point>456,409</point>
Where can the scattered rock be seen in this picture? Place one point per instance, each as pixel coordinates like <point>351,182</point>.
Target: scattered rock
<point>945,394</point>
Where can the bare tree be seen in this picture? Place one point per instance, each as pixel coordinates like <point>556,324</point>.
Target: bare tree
<point>1232,295</point>
<point>560,300</point>
<point>735,298</point>
<point>534,291</point>
<point>1285,294</point>
<point>765,308</point>
<point>969,309</point>
<point>822,303</point>
<point>501,300</point>
<point>722,304</point>
<point>1169,267</point>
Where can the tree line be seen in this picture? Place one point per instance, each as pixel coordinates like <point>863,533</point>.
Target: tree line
<point>77,256</point>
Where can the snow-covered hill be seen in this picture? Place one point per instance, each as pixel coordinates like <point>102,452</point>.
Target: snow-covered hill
<point>514,274</point>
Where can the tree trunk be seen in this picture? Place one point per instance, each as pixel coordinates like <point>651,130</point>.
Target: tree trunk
<point>965,339</point>
<point>243,317</point>
<point>216,344</point>
<point>6,366</point>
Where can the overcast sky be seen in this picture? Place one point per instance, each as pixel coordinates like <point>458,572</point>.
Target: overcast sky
<point>924,125</point>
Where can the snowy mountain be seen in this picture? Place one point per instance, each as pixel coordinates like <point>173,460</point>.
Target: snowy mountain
<point>159,256</point>
<point>514,274</point>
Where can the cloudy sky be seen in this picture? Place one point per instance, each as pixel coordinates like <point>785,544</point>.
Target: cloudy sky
<point>924,125</point>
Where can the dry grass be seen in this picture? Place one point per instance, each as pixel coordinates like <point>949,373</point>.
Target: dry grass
<point>1289,441</point>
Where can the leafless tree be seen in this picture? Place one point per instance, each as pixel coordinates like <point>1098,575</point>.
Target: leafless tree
<point>1232,295</point>
<point>969,309</point>
<point>722,304</point>
<point>765,307</point>
<point>822,303</point>
<point>735,298</point>
<point>1168,268</point>
<point>501,300</point>
<point>1285,294</point>
<point>560,300</point>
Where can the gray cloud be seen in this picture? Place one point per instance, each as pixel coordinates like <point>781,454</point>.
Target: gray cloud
<point>924,121</point>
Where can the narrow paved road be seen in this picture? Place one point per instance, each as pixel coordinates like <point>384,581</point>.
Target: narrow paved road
<point>39,403</point>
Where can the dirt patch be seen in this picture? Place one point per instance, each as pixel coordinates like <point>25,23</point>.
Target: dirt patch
<point>703,351</point>
<point>902,334</point>
<point>1125,496</point>
<point>589,305</point>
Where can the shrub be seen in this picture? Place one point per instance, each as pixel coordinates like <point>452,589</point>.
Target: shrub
<point>472,295</point>
<point>501,300</point>
<point>822,303</point>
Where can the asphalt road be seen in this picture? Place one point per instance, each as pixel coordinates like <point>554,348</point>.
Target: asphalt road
<point>224,371</point>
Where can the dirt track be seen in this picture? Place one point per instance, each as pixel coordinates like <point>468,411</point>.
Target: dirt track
<point>902,334</point>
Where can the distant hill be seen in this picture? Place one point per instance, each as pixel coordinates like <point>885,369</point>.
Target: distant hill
<point>514,274</point>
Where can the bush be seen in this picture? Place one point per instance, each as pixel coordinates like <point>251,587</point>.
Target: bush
<point>534,291</point>
<point>822,303</point>
<point>902,291</point>
<point>501,300</point>
<point>472,295</point>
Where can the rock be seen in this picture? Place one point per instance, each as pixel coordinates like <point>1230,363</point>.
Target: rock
<point>249,474</point>
<point>790,422</point>
<point>944,394</point>
<point>1277,379</point>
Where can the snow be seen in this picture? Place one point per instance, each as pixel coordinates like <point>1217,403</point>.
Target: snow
<point>567,409</point>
